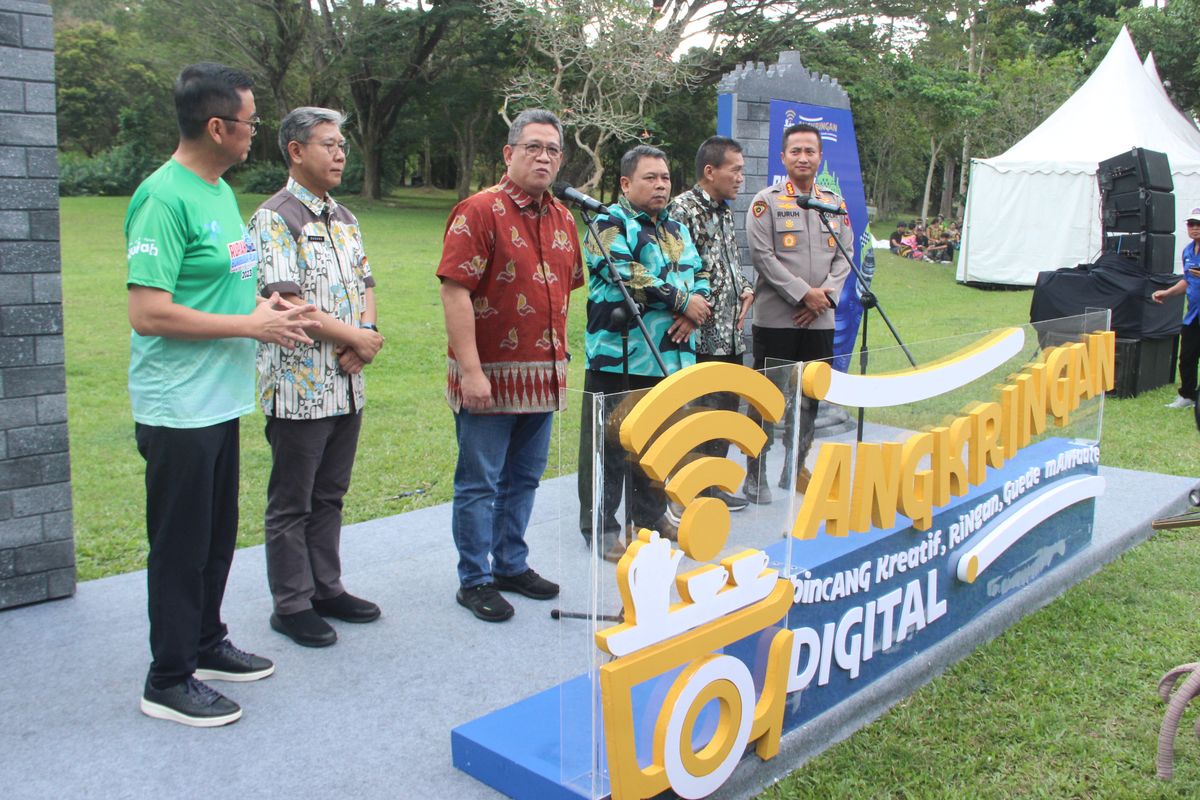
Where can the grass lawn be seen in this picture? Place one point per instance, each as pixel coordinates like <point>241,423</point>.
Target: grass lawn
<point>1062,705</point>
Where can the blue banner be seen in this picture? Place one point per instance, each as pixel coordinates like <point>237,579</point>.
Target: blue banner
<point>840,172</point>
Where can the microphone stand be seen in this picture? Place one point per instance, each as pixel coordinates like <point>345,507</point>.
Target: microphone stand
<point>621,318</point>
<point>869,301</point>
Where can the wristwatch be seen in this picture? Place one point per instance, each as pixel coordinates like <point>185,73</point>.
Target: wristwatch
<point>369,326</point>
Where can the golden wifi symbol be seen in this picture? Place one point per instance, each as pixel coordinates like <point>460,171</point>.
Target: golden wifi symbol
<point>704,525</point>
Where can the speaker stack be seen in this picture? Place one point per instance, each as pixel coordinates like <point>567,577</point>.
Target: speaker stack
<point>1138,229</point>
<point>1138,209</point>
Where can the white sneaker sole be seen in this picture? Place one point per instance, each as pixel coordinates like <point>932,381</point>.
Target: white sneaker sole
<point>158,711</point>
<point>236,677</point>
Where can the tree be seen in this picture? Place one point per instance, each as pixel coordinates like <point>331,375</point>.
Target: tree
<point>596,63</point>
<point>266,38</point>
<point>473,65</point>
<point>97,77</point>
<point>384,53</point>
<point>1170,34</point>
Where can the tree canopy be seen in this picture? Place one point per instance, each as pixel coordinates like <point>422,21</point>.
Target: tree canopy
<point>429,84</point>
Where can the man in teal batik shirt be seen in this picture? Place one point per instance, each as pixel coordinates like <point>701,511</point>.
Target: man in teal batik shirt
<point>656,259</point>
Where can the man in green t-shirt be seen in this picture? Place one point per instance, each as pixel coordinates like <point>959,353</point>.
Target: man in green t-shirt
<point>195,315</point>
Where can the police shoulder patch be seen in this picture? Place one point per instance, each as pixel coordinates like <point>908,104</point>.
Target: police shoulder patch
<point>759,208</point>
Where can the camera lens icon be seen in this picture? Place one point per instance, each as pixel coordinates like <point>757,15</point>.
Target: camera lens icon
<point>726,680</point>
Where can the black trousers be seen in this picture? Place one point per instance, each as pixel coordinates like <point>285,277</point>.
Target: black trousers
<point>792,344</point>
<point>648,502</point>
<point>191,522</point>
<point>1189,357</point>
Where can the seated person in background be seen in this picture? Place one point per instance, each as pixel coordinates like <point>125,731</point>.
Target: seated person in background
<point>954,232</point>
<point>896,241</point>
<point>935,228</point>
<point>910,243</point>
<point>938,249</point>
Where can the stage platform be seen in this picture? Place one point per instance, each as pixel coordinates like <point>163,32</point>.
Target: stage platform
<point>371,716</point>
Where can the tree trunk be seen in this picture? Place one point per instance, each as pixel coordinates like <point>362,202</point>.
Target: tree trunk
<point>934,147</point>
<point>946,206</point>
<point>372,156</point>
<point>427,169</point>
<point>466,162</point>
<point>963,174</point>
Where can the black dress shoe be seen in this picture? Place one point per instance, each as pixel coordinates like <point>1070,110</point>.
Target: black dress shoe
<point>305,628</point>
<point>347,608</point>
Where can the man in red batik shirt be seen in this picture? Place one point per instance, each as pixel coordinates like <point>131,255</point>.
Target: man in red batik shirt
<point>510,259</point>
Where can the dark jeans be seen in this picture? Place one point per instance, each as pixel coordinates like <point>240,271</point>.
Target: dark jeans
<point>191,522</point>
<point>1189,357</point>
<point>648,502</point>
<point>311,462</point>
<point>792,344</point>
<point>501,458</point>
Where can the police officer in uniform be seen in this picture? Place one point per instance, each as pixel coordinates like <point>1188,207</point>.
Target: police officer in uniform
<point>800,272</point>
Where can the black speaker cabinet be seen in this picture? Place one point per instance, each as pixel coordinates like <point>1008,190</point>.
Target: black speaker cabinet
<point>1143,364</point>
<point>1145,211</point>
<point>1152,252</point>
<point>1137,169</point>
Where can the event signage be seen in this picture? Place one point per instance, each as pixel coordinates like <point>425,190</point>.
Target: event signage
<point>895,545</point>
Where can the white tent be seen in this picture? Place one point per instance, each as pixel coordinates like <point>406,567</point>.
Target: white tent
<point>1037,206</point>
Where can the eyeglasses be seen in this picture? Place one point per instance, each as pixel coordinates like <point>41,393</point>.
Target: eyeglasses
<point>332,147</point>
<point>1191,223</point>
<point>535,149</point>
<point>253,122</point>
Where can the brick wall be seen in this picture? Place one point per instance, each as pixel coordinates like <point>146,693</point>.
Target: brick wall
<point>37,548</point>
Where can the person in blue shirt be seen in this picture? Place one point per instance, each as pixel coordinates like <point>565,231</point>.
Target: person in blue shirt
<point>1189,334</point>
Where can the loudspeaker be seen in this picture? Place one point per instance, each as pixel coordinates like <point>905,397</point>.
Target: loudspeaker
<point>1152,252</point>
<point>1142,211</point>
<point>1143,364</point>
<point>1137,169</point>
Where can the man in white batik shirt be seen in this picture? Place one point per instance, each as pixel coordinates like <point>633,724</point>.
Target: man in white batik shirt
<point>310,247</point>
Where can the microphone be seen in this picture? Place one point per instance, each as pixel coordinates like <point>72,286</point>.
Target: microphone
<point>569,194</point>
<point>807,201</point>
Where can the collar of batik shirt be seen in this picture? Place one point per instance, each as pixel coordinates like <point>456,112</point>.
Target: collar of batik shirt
<point>523,199</point>
<point>318,205</point>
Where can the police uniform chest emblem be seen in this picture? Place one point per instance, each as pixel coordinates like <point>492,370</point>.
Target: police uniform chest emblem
<point>789,224</point>
<point>832,243</point>
<point>789,240</point>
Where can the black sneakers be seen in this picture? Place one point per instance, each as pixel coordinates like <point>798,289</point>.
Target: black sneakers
<point>305,628</point>
<point>227,663</point>
<point>190,703</point>
<point>347,608</point>
<point>528,583</point>
<point>485,602</point>
<point>732,502</point>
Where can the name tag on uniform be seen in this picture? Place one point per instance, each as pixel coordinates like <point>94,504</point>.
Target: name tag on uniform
<point>316,238</point>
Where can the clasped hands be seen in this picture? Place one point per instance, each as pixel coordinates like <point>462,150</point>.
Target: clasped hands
<point>816,302</point>
<point>353,357</point>
<point>694,314</point>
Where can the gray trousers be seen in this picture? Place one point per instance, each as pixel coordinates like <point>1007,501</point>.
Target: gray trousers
<point>310,473</point>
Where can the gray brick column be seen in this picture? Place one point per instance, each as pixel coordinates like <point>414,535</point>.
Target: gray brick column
<point>37,547</point>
